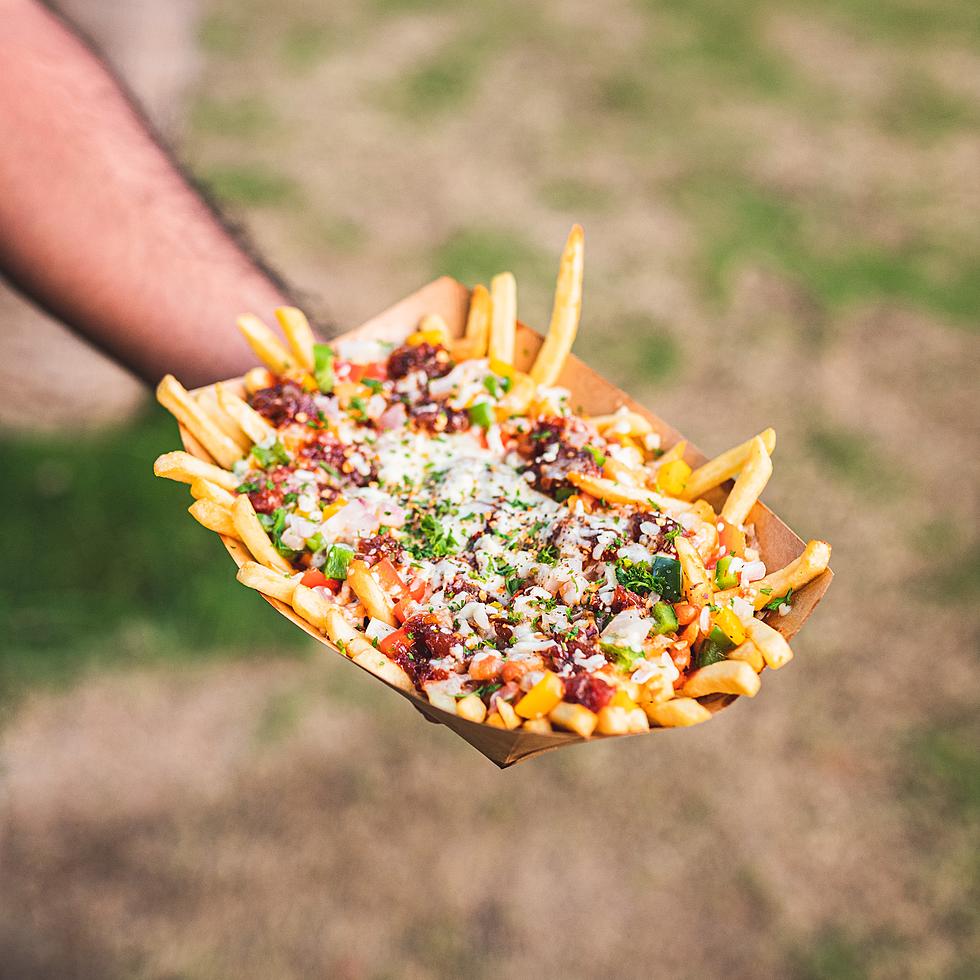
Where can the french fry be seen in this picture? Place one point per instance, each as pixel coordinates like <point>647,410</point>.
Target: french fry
<point>566,312</point>
<point>540,726</point>
<point>298,334</point>
<point>313,606</point>
<point>344,636</point>
<point>275,584</point>
<point>621,473</point>
<point>678,713</point>
<point>214,517</point>
<point>636,720</point>
<point>516,401</point>
<point>202,489</point>
<point>477,334</point>
<point>434,330</point>
<point>174,397</point>
<point>265,344</point>
<point>249,421</point>
<point>772,644</point>
<point>620,493</point>
<point>471,708</point>
<point>813,561</point>
<point>724,466</point>
<point>748,653</point>
<point>440,699</point>
<point>369,591</point>
<point>254,537</point>
<point>185,468</point>
<point>574,717</point>
<point>208,402</point>
<point>258,378</point>
<point>507,715</point>
<point>503,322</point>
<point>379,665</point>
<point>623,423</point>
<point>697,581</point>
<point>673,454</point>
<point>613,720</point>
<point>750,483</point>
<point>723,677</point>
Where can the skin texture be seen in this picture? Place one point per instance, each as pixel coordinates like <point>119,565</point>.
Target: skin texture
<point>97,224</point>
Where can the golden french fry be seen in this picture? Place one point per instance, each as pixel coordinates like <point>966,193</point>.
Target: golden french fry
<point>434,330</point>
<point>379,665</point>
<point>369,591</point>
<point>566,312</point>
<point>299,335</point>
<point>622,423</point>
<point>771,644</point>
<point>477,334</point>
<point>620,493</point>
<point>750,483</point>
<point>624,474</point>
<point>748,653</point>
<point>575,717</point>
<point>724,677</point>
<point>174,397</point>
<point>636,720</point>
<point>503,323</point>
<point>312,606</point>
<point>516,401</point>
<point>724,466</point>
<point>208,402</point>
<point>813,561</point>
<point>697,581</point>
<point>214,517</point>
<point>440,699</point>
<point>206,490</point>
<point>185,468</point>
<point>507,715</point>
<point>673,454</point>
<point>258,577</point>
<point>613,720</point>
<point>258,378</point>
<point>265,344</point>
<point>540,726</point>
<point>254,537</point>
<point>251,423</point>
<point>471,708</point>
<point>678,713</point>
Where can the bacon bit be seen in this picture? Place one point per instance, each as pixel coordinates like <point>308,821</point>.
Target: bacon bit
<point>588,690</point>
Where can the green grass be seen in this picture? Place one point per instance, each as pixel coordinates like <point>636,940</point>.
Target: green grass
<point>304,45</point>
<point>918,107</point>
<point>222,36</point>
<point>575,196</point>
<point>104,567</point>
<point>850,456</point>
<point>252,185</point>
<point>942,767</point>
<point>474,255</point>
<point>443,82</point>
<point>239,118</point>
<point>741,223</point>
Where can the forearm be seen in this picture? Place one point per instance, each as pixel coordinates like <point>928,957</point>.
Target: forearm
<point>98,226</point>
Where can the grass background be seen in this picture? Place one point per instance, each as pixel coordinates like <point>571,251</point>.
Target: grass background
<point>781,210</point>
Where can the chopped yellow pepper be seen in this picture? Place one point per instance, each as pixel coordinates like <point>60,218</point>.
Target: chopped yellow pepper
<point>731,626</point>
<point>622,700</point>
<point>672,477</point>
<point>542,698</point>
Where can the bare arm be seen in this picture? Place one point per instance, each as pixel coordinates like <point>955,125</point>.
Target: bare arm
<point>98,226</point>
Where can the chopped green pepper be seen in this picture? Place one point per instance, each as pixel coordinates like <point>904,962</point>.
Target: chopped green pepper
<point>338,558</point>
<point>724,578</point>
<point>316,542</point>
<point>492,385</point>
<point>323,367</point>
<point>665,619</point>
<point>481,414</point>
<point>714,649</point>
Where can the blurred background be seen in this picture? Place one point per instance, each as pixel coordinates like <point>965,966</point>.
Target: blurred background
<point>783,219</point>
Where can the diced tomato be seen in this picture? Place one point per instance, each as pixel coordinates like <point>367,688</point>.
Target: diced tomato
<point>390,578</point>
<point>314,579</point>
<point>417,587</point>
<point>376,371</point>
<point>395,643</point>
<point>733,539</point>
<point>406,608</point>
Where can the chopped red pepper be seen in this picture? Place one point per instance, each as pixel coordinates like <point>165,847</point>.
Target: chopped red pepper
<point>314,578</point>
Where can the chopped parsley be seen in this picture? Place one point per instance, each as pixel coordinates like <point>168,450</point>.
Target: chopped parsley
<point>774,604</point>
<point>266,456</point>
<point>597,455</point>
<point>663,576</point>
<point>623,657</point>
